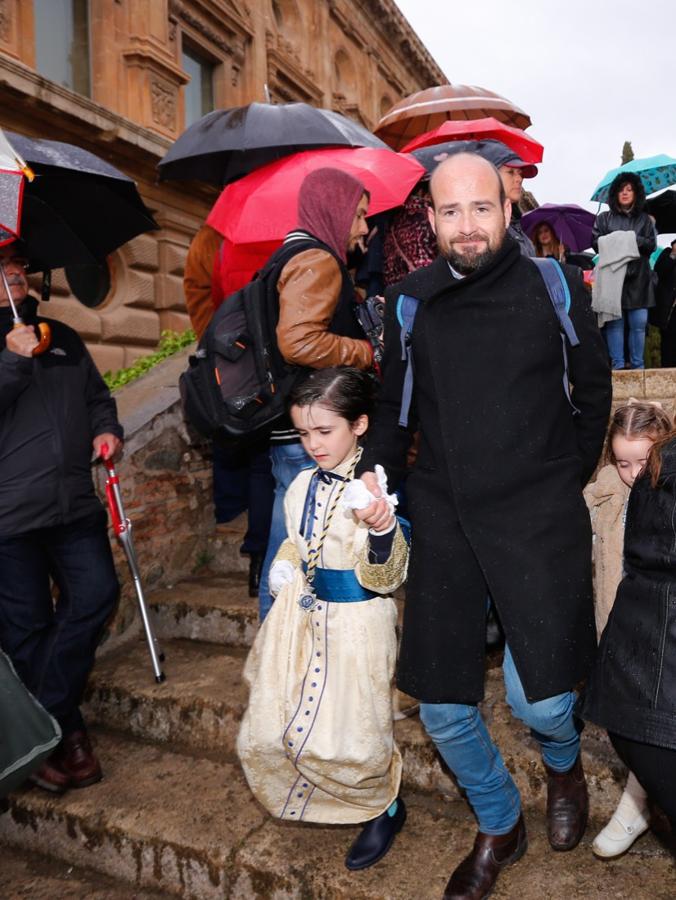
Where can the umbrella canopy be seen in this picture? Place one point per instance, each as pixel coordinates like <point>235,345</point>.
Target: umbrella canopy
<point>426,110</point>
<point>229,143</point>
<point>255,213</point>
<point>13,172</point>
<point>78,208</point>
<point>570,223</point>
<point>523,144</point>
<point>656,172</point>
<point>663,207</point>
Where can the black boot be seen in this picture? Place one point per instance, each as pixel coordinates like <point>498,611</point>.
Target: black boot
<point>376,838</point>
<point>255,567</point>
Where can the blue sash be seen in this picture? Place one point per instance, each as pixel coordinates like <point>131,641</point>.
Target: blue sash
<point>339,586</point>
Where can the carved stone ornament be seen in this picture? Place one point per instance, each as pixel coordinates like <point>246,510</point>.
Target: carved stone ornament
<point>230,38</point>
<point>163,103</point>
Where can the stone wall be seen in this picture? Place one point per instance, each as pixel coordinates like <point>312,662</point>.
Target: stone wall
<point>166,479</point>
<point>166,482</point>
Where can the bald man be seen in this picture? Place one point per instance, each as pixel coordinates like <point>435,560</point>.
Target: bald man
<point>496,506</point>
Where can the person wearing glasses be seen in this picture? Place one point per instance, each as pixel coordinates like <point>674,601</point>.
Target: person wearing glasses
<point>58,585</point>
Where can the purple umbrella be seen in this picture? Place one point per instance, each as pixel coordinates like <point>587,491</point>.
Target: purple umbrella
<point>569,222</point>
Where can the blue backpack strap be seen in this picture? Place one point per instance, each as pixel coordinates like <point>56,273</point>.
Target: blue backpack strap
<point>407,307</point>
<point>559,295</point>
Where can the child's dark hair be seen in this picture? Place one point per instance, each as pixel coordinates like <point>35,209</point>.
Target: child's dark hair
<point>636,420</point>
<point>348,392</point>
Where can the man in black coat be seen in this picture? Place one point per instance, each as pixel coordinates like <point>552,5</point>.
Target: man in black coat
<point>495,500</point>
<point>55,410</point>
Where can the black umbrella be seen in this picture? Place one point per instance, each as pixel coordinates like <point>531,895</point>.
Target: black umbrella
<point>663,207</point>
<point>229,143</point>
<point>78,208</point>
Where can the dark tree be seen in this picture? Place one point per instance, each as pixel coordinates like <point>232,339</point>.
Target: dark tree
<point>627,152</point>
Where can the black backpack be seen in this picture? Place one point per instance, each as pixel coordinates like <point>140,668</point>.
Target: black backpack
<point>237,382</point>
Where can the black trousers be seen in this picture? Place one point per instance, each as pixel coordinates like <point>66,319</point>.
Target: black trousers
<point>668,344</point>
<point>655,768</point>
<point>52,646</point>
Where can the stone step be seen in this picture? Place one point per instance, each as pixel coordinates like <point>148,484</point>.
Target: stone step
<point>31,876</point>
<point>215,609</point>
<point>199,706</point>
<point>172,822</point>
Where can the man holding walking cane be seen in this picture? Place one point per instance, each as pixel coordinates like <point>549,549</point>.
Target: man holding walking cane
<point>55,410</point>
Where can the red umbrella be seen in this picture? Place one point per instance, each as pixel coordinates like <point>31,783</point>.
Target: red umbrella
<point>262,207</point>
<point>425,110</point>
<point>517,140</point>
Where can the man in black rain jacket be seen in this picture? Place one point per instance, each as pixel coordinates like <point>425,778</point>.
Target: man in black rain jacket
<point>55,410</point>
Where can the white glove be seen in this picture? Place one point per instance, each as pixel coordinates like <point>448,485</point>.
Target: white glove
<point>281,572</point>
<point>357,496</point>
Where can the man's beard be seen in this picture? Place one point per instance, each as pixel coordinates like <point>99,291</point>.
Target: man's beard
<point>466,263</point>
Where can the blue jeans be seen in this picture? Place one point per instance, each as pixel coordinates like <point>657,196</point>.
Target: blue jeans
<point>462,739</point>
<point>243,481</point>
<point>613,332</point>
<point>288,460</point>
<point>52,646</point>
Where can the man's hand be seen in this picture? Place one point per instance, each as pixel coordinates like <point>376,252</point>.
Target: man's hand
<point>22,340</point>
<point>114,445</point>
<point>377,515</point>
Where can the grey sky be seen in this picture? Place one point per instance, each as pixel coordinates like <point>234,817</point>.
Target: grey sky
<point>590,74</point>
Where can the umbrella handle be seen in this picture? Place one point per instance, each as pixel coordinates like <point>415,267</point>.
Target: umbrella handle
<point>44,338</point>
<point>111,481</point>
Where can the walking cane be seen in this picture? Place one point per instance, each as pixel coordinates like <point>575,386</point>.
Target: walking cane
<point>45,332</point>
<point>122,527</point>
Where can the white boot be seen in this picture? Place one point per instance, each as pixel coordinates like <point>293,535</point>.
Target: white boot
<point>628,822</point>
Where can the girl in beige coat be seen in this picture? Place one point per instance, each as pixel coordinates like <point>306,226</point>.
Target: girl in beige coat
<point>633,430</point>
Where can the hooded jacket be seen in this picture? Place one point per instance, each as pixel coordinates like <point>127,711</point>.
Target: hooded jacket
<point>637,291</point>
<point>51,408</point>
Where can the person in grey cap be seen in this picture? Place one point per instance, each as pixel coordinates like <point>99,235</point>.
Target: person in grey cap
<point>512,171</point>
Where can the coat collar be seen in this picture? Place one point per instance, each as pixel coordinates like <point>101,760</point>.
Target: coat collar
<point>436,279</point>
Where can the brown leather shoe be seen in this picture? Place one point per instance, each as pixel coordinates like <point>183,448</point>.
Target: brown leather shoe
<point>78,760</point>
<point>477,873</point>
<point>567,806</point>
<point>51,776</point>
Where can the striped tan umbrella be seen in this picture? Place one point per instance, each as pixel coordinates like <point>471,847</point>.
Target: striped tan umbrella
<point>426,110</point>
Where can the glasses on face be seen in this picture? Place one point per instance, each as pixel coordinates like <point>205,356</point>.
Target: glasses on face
<point>14,262</point>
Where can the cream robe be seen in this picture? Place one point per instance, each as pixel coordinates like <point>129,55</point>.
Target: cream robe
<point>316,742</point>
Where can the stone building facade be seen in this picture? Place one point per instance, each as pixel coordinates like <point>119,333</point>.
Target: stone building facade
<point>122,78</point>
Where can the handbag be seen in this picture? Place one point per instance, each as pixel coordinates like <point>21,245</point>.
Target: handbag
<point>28,733</point>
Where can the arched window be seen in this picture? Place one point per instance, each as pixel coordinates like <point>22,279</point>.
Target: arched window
<point>89,283</point>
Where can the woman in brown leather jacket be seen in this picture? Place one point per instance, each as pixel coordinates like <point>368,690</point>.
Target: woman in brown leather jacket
<point>317,325</point>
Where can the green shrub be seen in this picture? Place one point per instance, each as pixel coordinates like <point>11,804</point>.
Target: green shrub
<point>170,342</point>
